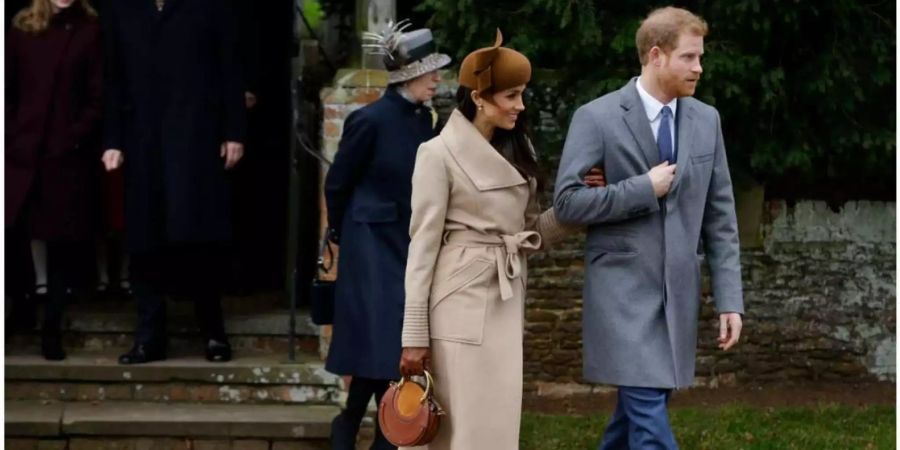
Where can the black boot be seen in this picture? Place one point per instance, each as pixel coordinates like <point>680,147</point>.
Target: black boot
<point>140,354</point>
<point>218,351</point>
<point>51,334</point>
<point>51,345</point>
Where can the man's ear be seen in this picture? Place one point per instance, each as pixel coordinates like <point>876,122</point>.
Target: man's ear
<point>655,55</point>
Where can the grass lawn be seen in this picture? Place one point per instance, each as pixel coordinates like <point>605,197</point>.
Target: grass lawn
<point>734,428</point>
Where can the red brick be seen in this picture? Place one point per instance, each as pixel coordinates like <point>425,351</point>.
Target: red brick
<point>20,444</point>
<point>302,445</point>
<point>333,128</point>
<point>334,112</point>
<point>208,444</point>
<point>101,444</point>
<point>365,96</point>
<point>208,393</point>
<point>53,444</point>
<point>250,445</point>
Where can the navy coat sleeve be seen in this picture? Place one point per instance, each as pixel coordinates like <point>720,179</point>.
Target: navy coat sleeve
<point>350,163</point>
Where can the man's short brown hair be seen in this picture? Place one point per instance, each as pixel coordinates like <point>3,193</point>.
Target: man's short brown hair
<point>663,26</point>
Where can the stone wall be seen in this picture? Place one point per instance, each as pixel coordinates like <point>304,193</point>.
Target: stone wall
<point>819,293</point>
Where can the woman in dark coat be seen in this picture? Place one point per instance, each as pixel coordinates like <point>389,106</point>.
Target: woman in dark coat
<point>53,107</point>
<point>368,191</point>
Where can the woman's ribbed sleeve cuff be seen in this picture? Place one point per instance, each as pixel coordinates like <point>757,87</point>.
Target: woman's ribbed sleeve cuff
<point>415,326</point>
<point>552,231</point>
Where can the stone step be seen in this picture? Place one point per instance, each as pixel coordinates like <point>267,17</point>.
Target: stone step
<point>263,322</point>
<point>248,378</point>
<point>102,326</point>
<point>29,343</point>
<point>183,425</point>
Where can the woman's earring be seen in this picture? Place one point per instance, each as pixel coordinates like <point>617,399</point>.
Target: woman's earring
<point>481,107</point>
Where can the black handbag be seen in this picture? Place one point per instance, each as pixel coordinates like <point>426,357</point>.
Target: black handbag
<point>321,292</point>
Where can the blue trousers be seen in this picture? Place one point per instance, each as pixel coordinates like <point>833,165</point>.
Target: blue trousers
<point>641,421</point>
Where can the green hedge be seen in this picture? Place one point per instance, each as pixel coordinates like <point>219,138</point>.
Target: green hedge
<point>806,89</point>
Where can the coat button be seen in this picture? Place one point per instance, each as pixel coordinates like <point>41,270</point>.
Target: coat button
<point>68,27</point>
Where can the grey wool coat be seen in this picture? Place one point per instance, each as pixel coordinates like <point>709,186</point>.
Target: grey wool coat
<point>643,254</point>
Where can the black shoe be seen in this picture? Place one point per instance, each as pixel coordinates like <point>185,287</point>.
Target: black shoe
<point>125,288</point>
<point>140,354</point>
<point>51,347</point>
<point>39,295</point>
<point>217,351</point>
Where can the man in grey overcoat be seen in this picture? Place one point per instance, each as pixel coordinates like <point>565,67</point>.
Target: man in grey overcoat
<point>668,203</point>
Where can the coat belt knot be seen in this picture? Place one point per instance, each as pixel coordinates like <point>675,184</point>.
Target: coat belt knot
<point>506,252</point>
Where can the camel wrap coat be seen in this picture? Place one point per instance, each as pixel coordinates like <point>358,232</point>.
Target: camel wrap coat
<point>474,218</point>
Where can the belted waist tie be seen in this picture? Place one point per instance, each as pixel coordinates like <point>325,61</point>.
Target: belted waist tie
<point>506,252</point>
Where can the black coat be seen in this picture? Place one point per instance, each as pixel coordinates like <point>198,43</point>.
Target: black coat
<point>368,191</point>
<point>174,94</point>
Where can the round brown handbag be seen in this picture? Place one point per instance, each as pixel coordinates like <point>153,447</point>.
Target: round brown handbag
<point>408,414</point>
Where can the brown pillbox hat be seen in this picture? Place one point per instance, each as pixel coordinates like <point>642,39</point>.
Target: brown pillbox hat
<point>494,68</point>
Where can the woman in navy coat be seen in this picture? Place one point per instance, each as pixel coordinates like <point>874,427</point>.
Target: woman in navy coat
<point>368,191</point>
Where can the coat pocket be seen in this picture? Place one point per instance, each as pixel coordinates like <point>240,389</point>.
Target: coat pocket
<point>459,303</point>
<point>375,213</point>
<point>598,254</point>
<point>700,159</point>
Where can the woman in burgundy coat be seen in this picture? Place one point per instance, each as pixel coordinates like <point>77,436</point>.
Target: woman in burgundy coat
<point>53,107</point>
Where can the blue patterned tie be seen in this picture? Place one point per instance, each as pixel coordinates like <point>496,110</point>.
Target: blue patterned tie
<point>664,137</point>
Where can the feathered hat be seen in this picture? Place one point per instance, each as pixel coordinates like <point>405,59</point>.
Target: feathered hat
<point>406,55</point>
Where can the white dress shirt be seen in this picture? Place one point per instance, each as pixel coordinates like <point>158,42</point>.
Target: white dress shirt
<point>654,107</point>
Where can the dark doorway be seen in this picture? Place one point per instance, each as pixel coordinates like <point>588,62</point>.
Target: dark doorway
<point>261,179</point>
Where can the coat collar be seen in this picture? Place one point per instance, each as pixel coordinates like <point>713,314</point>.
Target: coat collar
<point>636,119</point>
<point>685,124</point>
<point>396,98</point>
<point>480,161</point>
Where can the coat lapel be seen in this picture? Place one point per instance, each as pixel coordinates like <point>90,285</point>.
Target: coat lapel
<point>636,119</point>
<point>684,140</point>
<point>480,161</point>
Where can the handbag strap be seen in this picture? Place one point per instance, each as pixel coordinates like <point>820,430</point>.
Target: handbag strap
<point>324,247</point>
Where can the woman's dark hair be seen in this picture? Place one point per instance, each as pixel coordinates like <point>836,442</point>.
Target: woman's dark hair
<point>518,139</point>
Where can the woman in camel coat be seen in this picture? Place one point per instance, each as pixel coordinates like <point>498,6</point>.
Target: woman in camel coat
<point>475,217</point>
